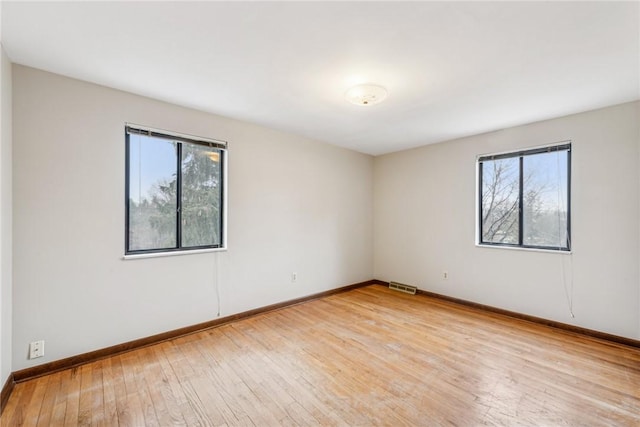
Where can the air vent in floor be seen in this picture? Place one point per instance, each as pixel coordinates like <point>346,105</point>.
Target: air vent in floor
<point>408,289</point>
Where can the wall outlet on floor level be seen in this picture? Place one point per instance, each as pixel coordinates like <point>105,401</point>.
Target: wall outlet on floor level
<point>36,349</point>
<point>445,275</point>
<point>294,277</point>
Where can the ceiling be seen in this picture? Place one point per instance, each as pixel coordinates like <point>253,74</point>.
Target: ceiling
<point>451,69</point>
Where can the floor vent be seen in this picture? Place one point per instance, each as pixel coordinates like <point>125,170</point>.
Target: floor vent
<point>403,288</point>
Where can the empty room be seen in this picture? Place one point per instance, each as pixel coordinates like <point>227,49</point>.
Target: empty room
<point>332,213</point>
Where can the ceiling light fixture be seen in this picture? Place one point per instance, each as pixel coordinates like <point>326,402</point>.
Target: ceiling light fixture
<point>366,94</point>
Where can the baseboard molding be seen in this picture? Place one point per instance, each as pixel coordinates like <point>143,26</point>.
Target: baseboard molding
<point>81,359</point>
<point>6,392</point>
<point>92,356</point>
<point>551,323</point>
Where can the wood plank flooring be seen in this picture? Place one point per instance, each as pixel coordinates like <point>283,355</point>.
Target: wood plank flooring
<point>370,356</point>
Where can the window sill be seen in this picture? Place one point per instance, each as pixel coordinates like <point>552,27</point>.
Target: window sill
<point>516,248</point>
<point>171,253</point>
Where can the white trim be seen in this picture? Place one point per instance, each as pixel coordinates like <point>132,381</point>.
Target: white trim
<point>172,253</point>
<point>520,248</point>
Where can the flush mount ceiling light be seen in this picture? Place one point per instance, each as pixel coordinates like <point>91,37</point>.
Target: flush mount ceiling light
<point>366,94</point>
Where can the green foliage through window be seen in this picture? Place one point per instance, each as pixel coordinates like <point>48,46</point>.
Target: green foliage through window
<point>175,192</point>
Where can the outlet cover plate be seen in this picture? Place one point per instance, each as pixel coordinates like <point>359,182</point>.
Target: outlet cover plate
<point>36,349</point>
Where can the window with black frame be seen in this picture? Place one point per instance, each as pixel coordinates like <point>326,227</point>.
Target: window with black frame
<point>175,196</point>
<point>525,198</point>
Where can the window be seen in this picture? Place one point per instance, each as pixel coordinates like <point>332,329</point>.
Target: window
<point>175,199</point>
<point>524,198</point>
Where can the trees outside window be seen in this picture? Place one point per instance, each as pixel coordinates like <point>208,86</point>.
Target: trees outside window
<point>524,198</point>
<point>174,191</point>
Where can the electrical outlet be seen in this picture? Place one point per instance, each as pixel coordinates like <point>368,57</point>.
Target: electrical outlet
<point>445,275</point>
<point>294,277</point>
<point>36,349</point>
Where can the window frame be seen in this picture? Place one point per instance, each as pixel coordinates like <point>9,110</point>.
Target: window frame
<point>181,139</point>
<point>520,154</point>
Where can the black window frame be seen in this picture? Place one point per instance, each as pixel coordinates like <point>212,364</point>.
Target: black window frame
<point>180,139</point>
<point>521,154</point>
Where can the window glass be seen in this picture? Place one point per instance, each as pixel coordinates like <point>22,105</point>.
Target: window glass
<point>152,193</point>
<point>175,197</point>
<point>500,201</point>
<point>545,199</point>
<point>525,198</point>
<point>201,179</point>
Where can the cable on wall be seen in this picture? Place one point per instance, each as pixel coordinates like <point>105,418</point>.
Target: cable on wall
<point>216,279</point>
<point>568,290</point>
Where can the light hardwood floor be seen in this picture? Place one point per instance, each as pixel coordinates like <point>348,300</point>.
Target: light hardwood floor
<point>365,357</point>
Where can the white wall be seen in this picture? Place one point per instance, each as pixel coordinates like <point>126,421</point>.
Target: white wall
<point>5,217</point>
<point>424,223</point>
<point>294,205</point>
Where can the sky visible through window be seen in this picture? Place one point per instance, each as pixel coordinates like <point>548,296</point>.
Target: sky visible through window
<point>152,161</point>
<point>548,172</point>
<point>173,203</point>
<point>528,206</point>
